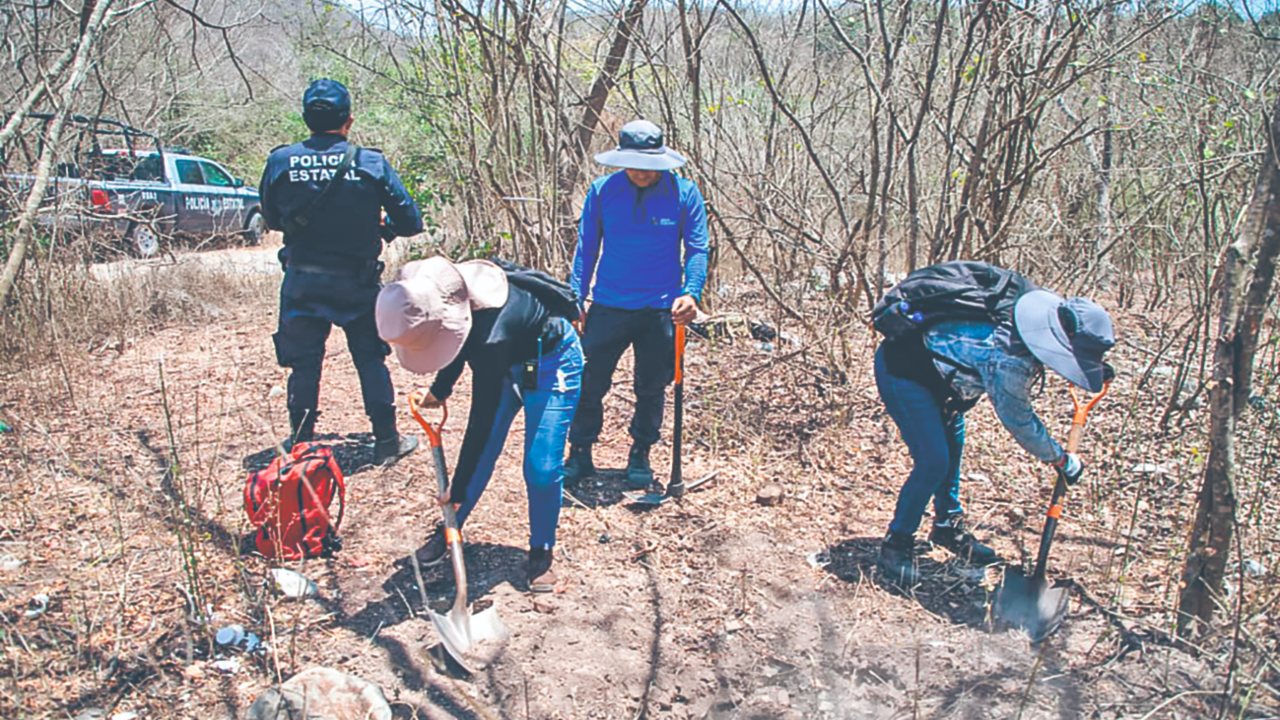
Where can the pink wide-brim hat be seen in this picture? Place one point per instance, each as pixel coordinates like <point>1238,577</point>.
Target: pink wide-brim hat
<point>426,313</point>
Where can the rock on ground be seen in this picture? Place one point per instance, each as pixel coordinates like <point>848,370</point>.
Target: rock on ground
<point>320,692</point>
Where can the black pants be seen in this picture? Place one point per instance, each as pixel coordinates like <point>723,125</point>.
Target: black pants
<point>609,332</point>
<point>311,303</point>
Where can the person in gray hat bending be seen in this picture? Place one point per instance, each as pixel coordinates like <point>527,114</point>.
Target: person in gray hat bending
<point>929,378</point>
<point>634,226</point>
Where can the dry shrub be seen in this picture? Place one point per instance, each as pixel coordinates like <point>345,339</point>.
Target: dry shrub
<point>63,304</point>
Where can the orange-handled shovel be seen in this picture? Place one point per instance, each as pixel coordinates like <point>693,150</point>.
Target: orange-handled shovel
<point>475,641</point>
<point>1028,602</point>
<point>677,487</point>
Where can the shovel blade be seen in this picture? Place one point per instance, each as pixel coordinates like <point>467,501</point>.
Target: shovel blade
<point>474,641</point>
<point>649,498</point>
<point>657,498</point>
<point>1031,604</point>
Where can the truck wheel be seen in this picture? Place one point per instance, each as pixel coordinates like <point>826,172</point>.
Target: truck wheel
<point>142,241</point>
<point>254,229</point>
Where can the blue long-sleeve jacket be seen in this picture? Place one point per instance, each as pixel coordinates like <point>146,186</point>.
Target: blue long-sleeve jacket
<point>630,240</point>
<point>1006,377</point>
<point>348,226</point>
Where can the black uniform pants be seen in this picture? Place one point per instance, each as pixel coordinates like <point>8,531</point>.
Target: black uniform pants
<point>608,333</point>
<point>312,301</point>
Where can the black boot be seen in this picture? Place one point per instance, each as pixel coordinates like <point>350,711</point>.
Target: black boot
<point>897,559</point>
<point>579,465</point>
<point>435,550</point>
<point>542,578</point>
<point>639,474</point>
<point>388,444</point>
<point>952,534</point>
<point>302,427</point>
<point>388,451</point>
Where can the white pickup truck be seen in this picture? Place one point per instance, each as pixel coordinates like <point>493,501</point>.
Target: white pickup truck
<point>144,197</point>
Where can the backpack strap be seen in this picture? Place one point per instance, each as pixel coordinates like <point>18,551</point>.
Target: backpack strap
<point>252,509</point>
<point>302,218</point>
<point>342,490</point>
<point>310,490</point>
<point>342,496</point>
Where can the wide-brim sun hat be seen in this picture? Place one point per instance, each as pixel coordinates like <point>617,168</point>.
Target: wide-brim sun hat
<point>425,315</point>
<point>1069,336</point>
<point>640,147</point>
<point>486,284</point>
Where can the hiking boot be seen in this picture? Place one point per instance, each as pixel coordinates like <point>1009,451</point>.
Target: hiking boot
<point>579,465</point>
<point>639,474</point>
<point>897,559</point>
<point>954,536</point>
<point>435,550</point>
<point>387,452</point>
<point>542,579</point>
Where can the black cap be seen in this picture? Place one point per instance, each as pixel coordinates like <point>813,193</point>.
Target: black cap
<point>326,105</point>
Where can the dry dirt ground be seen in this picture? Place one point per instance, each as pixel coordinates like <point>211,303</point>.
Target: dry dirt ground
<point>719,607</point>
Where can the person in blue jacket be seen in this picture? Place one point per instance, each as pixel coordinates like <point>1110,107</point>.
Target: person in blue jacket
<point>334,228</point>
<point>926,383</point>
<point>634,226</point>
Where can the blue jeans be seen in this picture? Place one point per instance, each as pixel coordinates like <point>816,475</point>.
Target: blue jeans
<point>935,442</point>
<point>548,413</point>
<point>609,332</point>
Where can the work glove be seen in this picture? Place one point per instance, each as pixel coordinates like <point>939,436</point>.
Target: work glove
<point>1070,467</point>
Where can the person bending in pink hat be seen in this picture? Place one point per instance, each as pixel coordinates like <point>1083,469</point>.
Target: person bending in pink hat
<point>440,316</point>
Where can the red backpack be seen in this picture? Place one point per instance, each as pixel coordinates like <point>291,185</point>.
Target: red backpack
<point>289,502</point>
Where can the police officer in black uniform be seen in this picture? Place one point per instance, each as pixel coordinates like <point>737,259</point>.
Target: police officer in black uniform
<point>334,228</point>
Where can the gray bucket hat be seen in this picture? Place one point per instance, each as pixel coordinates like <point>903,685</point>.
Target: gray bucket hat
<point>640,147</point>
<point>1070,336</point>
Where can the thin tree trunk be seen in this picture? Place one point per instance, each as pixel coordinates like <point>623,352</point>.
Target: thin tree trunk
<point>1246,275</point>
<point>79,71</point>
<point>571,170</point>
<point>33,97</point>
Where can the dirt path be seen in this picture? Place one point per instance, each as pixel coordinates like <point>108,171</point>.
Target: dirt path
<point>235,260</point>
<point>716,608</point>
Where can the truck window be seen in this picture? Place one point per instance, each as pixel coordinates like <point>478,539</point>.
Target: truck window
<point>214,175</point>
<point>189,172</point>
<point>148,168</point>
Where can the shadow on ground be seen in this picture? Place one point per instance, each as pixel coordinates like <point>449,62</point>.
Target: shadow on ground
<point>488,566</point>
<point>603,489</point>
<point>354,452</point>
<point>951,590</point>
